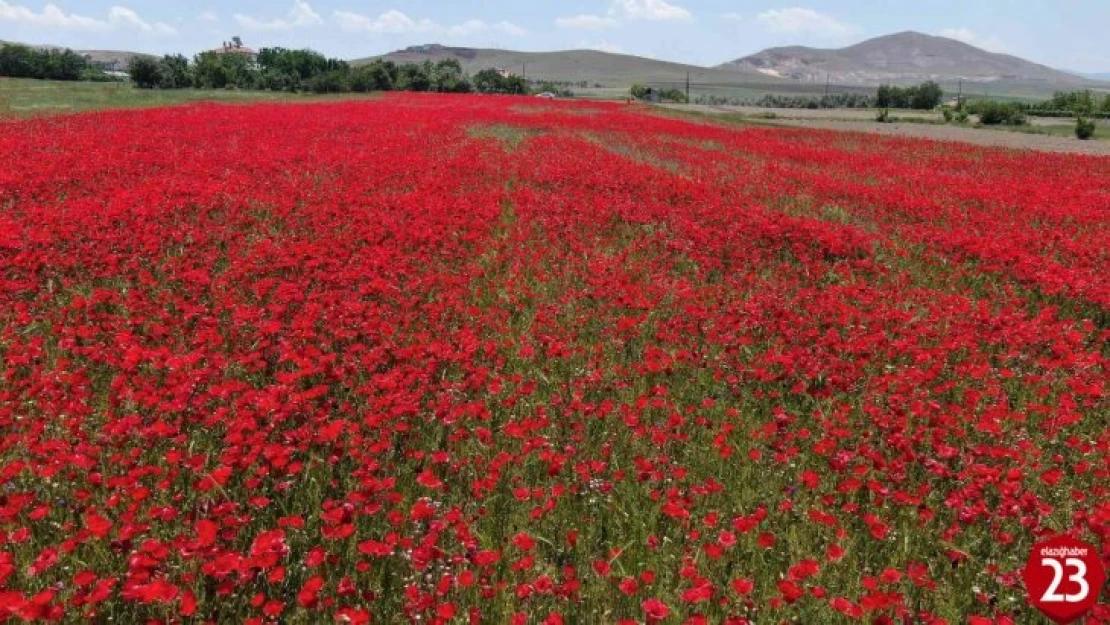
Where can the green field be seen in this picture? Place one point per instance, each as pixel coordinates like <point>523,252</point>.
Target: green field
<point>21,97</point>
<point>1065,128</point>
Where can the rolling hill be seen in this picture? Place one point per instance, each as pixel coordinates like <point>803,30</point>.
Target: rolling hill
<point>574,66</point>
<point>903,58</point>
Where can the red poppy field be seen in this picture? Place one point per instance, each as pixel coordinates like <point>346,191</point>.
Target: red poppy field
<point>478,359</point>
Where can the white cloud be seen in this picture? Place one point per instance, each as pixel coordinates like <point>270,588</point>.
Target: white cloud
<point>968,36</point>
<point>50,17</point>
<point>300,15</point>
<point>587,22</point>
<point>392,21</point>
<point>732,16</point>
<point>656,10</point>
<point>396,22</point>
<point>797,20</point>
<point>53,17</point>
<point>208,16</point>
<point>124,15</point>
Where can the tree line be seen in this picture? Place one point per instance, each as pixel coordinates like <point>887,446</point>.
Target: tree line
<point>274,69</point>
<point>926,96</point>
<point>1072,104</point>
<point>281,69</point>
<point>18,61</point>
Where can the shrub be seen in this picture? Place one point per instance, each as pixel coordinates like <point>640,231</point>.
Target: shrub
<point>145,72</point>
<point>995,113</point>
<point>884,116</point>
<point>924,96</point>
<point>1084,128</point>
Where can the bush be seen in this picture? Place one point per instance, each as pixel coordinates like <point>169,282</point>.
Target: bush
<point>961,116</point>
<point>1084,128</point>
<point>491,81</point>
<point>145,72</point>
<point>995,113</point>
<point>924,97</point>
<point>25,62</point>
<point>884,116</point>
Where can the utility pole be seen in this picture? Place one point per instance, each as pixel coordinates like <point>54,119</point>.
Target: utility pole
<point>826,83</point>
<point>524,70</point>
<point>960,95</point>
<point>687,87</point>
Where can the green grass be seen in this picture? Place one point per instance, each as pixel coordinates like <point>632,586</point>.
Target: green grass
<point>1063,129</point>
<point>20,97</point>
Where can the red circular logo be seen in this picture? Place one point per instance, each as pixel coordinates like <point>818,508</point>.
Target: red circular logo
<point>1064,578</point>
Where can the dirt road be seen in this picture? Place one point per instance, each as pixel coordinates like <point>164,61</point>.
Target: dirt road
<point>863,121</point>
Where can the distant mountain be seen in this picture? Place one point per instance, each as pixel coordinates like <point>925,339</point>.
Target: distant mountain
<point>591,66</point>
<point>902,58</point>
<point>1096,76</point>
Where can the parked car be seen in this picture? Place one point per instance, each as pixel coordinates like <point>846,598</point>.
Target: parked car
<point>546,94</point>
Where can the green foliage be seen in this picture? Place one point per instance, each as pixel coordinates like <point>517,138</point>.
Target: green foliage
<point>993,113</point>
<point>276,69</point>
<point>92,74</point>
<point>656,94</point>
<point>1084,128</point>
<point>145,72</point>
<point>282,69</point>
<point>331,81</point>
<point>175,72</point>
<point>377,75</point>
<point>212,70</point>
<point>1072,101</point>
<point>491,81</point>
<point>925,96</point>
<point>672,95</point>
<point>448,77</point>
<point>883,116</point>
<point>1071,104</point>
<point>18,61</point>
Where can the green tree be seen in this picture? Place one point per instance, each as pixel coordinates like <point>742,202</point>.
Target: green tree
<point>145,72</point>
<point>378,75</point>
<point>26,62</point>
<point>927,96</point>
<point>1084,128</point>
<point>448,77</point>
<point>19,62</point>
<point>491,81</point>
<point>213,70</point>
<point>415,77</point>
<point>175,72</point>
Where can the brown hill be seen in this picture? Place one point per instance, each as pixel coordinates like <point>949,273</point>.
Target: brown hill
<point>574,66</point>
<point>903,58</point>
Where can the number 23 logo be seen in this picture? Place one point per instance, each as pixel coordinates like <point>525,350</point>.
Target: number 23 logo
<point>1051,595</point>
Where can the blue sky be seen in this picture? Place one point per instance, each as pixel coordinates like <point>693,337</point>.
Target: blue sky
<point>1068,34</point>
